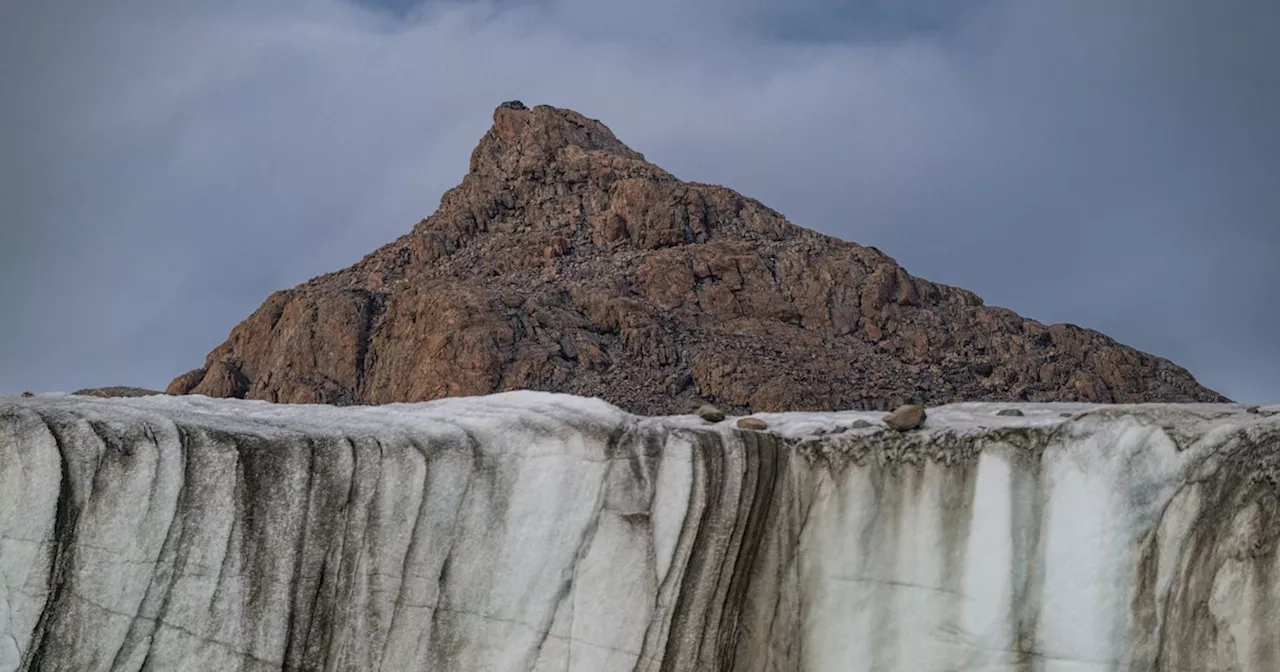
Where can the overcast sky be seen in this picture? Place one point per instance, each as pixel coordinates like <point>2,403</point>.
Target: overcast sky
<point>1110,163</point>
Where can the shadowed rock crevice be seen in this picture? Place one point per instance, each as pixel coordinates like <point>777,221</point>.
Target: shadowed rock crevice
<point>565,262</point>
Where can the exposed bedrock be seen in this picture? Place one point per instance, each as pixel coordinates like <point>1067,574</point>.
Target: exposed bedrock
<point>530,531</point>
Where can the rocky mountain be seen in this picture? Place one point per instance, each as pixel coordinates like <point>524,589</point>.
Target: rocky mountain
<point>566,262</point>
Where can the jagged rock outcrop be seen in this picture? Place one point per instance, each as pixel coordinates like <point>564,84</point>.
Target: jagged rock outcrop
<point>566,262</point>
<point>542,532</point>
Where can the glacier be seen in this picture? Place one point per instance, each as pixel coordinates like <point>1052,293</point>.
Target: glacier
<point>541,532</point>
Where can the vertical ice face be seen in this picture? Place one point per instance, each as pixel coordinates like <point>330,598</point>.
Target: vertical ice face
<point>543,532</point>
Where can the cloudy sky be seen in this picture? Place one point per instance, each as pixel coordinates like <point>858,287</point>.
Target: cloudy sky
<point>1110,163</point>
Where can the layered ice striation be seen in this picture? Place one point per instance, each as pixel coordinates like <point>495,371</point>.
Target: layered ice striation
<point>529,531</point>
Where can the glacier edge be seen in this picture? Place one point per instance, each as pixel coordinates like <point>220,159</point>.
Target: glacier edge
<point>533,531</point>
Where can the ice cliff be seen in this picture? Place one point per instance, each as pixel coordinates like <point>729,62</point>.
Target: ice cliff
<point>539,532</point>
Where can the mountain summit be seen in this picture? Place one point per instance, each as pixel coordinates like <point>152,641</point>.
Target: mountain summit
<point>566,262</point>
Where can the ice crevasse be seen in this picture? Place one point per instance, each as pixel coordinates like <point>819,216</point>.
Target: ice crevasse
<point>538,532</point>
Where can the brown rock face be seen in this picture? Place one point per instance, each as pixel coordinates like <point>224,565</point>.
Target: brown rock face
<point>566,262</point>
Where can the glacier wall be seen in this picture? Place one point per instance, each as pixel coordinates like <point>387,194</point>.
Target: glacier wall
<point>530,531</point>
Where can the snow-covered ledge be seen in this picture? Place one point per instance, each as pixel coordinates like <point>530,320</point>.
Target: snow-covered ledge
<point>530,531</point>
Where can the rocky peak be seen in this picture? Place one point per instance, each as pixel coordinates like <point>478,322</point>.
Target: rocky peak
<point>565,262</point>
<point>522,141</point>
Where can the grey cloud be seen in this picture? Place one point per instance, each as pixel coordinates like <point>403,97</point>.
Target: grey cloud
<point>1110,164</point>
